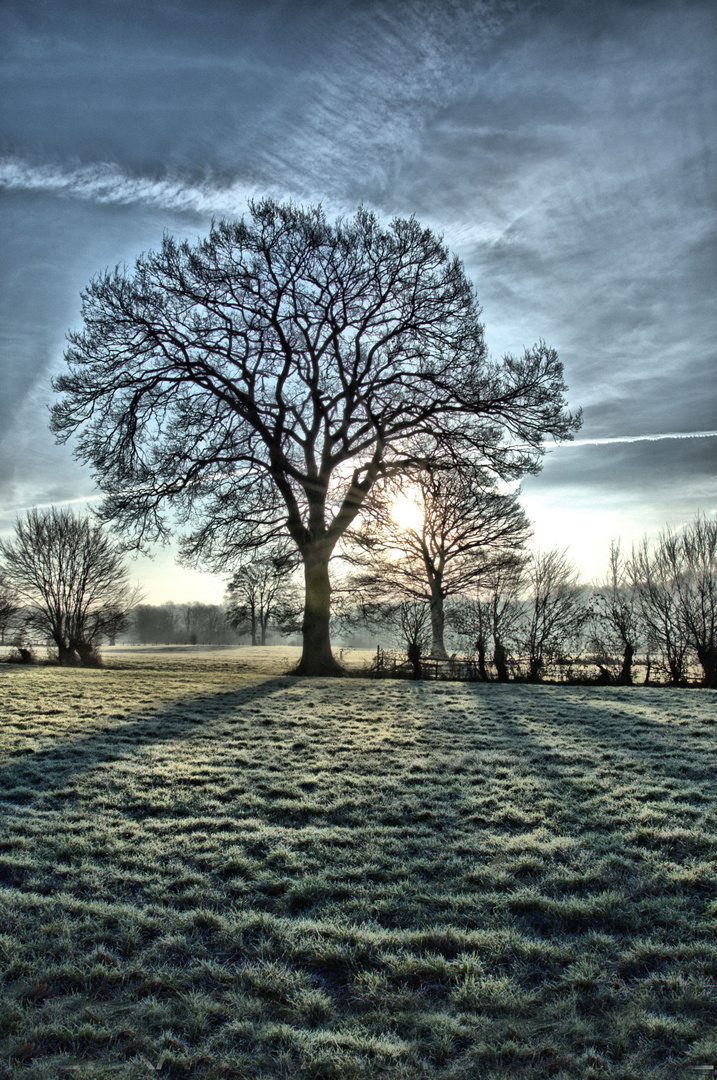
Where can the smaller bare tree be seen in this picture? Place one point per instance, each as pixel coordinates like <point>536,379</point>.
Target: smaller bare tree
<point>462,530</point>
<point>697,584</point>
<point>414,620</point>
<point>9,607</point>
<point>491,618</point>
<point>257,593</point>
<point>617,622</point>
<point>657,575</point>
<point>70,577</point>
<point>554,609</point>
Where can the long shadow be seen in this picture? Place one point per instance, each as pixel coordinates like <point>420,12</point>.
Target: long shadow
<point>591,732</point>
<point>576,754</point>
<point>641,740</point>
<point>644,748</point>
<point>580,761</point>
<point>115,741</point>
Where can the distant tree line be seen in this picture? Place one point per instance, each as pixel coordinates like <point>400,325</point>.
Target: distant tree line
<point>261,602</point>
<point>460,572</point>
<point>180,624</point>
<point>514,613</point>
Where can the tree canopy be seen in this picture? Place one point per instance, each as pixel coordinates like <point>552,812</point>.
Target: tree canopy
<point>262,380</point>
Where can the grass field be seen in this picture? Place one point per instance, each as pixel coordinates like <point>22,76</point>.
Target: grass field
<point>207,870</point>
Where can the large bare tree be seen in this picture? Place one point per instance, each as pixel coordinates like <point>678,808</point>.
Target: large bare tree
<point>70,577</point>
<point>260,382</point>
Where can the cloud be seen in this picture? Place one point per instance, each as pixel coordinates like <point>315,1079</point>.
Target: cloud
<point>108,183</point>
<point>662,477</point>
<point>387,70</point>
<point>332,119</point>
<point>565,150</point>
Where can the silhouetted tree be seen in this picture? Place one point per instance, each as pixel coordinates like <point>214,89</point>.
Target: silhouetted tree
<point>263,380</point>
<point>70,577</point>
<point>463,530</point>
<point>257,592</point>
<point>697,584</point>
<point>656,573</point>
<point>414,619</point>
<point>618,625</point>
<point>491,619</point>
<point>9,607</point>
<point>677,581</point>
<point>554,609</point>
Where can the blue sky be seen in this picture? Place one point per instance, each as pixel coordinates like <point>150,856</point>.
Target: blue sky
<point>566,152</point>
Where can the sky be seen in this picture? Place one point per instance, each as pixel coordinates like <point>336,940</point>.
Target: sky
<point>566,152</point>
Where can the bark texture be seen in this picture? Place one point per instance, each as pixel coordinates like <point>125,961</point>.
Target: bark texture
<point>316,656</point>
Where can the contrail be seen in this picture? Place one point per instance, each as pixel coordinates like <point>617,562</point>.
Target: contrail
<point>656,437</point>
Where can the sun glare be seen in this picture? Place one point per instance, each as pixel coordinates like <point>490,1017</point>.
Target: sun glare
<point>407,513</point>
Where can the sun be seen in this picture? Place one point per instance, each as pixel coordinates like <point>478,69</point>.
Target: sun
<point>407,514</point>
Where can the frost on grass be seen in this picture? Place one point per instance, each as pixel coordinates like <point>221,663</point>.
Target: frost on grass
<point>222,872</point>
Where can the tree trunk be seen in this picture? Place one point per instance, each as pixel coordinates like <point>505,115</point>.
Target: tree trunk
<point>414,658</point>
<point>480,649</point>
<point>675,668</point>
<point>316,655</point>
<point>65,653</point>
<point>438,649</point>
<point>87,654</point>
<point>499,661</point>
<point>536,666</point>
<point>626,670</point>
<point>707,657</point>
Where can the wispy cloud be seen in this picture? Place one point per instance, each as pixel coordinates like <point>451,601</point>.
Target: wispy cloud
<point>388,70</point>
<point>107,183</point>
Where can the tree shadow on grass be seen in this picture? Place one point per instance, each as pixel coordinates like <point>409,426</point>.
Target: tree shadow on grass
<point>592,755</point>
<point>28,780</point>
<point>621,731</point>
<point>632,795</point>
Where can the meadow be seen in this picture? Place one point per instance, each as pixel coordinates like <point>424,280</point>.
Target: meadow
<point>209,869</point>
